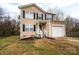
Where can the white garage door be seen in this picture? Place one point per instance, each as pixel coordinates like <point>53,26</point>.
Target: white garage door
<point>58,31</point>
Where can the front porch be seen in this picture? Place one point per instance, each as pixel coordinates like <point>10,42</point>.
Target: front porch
<point>40,29</point>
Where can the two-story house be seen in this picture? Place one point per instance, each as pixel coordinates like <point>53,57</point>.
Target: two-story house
<point>39,23</point>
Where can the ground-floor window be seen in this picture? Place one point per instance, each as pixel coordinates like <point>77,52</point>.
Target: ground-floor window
<point>31,27</point>
<point>28,27</point>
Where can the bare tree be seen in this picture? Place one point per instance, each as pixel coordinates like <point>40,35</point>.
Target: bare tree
<point>59,14</point>
<point>8,26</point>
<point>72,27</point>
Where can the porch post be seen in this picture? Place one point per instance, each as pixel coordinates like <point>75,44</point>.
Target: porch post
<point>37,28</point>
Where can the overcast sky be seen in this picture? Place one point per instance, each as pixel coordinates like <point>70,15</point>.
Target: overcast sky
<point>69,7</point>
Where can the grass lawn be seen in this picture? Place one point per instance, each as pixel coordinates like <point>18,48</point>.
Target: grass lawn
<point>13,45</point>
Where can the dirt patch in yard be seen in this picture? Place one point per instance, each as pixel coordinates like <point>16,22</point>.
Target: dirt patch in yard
<point>13,49</point>
<point>41,42</point>
<point>67,47</point>
<point>38,43</point>
<point>61,46</point>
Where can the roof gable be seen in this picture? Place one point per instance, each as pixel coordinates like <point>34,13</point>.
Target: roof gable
<point>29,5</point>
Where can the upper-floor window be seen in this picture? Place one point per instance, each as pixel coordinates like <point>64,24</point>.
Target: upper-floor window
<point>48,16</point>
<point>29,15</point>
<point>40,16</point>
<point>33,15</point>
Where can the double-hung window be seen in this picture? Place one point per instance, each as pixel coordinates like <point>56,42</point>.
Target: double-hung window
<point>31,28</point>
<point>29,15</point>
<point>39,16</point>
<point>28,27</point>
<point>48,16</point>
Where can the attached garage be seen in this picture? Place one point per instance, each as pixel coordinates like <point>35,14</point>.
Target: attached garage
<point>58,31</point>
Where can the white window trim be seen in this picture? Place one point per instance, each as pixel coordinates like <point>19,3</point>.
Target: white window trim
<point>48,16</point>
<point>29,26</point>
<point>28,14</point>
<point>40,15</point>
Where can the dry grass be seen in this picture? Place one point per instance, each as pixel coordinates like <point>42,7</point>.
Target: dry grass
<point>13,45</point>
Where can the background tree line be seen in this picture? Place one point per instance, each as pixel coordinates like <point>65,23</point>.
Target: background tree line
<point>8,26</point>
<point>72,27</point>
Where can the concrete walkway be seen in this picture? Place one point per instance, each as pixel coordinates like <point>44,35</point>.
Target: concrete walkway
<point>74,40</point>
<point>70,39</point>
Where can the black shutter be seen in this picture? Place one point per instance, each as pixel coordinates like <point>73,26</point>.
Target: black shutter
<point>23,14</point>
<point>34,15</point>
<point>45,16</point>
<point>52,17</point>
<point>34,28</point>
<point>37,15</point>
<point>23,27</point>
<point>42,16</point>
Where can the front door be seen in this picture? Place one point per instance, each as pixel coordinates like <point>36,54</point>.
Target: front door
<point>41,30</point>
